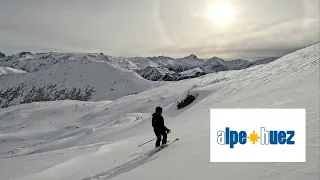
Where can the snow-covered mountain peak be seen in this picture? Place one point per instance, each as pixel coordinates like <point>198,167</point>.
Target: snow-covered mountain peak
<point>191,56</point>
<point>215,58</point>
<point>22,54</point>
<point>155,58</point>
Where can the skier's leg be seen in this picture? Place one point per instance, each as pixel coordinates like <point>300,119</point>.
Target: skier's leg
<point>158,139</point>
<point>164,140</point>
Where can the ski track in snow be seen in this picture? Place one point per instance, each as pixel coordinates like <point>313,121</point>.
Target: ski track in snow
<point>128,166</point>
<point>98,140</point>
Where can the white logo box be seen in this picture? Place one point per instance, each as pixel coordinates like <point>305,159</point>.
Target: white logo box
<point>249,120</point>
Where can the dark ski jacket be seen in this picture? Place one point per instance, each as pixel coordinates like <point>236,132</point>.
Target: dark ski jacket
<point>158,123</point>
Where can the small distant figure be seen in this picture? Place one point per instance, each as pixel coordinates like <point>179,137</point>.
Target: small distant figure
<point>158,127</point>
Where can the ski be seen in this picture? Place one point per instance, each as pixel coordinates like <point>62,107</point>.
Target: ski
<point>157,149</point>
<point>168,143</point>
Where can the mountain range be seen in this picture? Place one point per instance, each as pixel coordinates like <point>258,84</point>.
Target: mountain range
<point>32,77</point>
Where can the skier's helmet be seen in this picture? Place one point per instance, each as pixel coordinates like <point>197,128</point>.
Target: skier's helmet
<point>158,109</point>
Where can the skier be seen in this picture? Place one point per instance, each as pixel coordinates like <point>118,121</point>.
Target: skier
<point>158,127</point>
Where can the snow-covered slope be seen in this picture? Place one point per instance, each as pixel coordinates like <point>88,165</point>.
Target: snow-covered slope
<point>162,74</point>
<point>9,70</point>
<point>214,64</point>
<point>166,68</point>
<point>99,140</point>
<point>191,72</point>
<point>236,64</point>
<point>79,79</point>
<point>259,62</point>
<point>152,73</point>
<point>41,61</point>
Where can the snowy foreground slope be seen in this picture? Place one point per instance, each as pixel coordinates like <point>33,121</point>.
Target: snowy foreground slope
<point>98,140</point>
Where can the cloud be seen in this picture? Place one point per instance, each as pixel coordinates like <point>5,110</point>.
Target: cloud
<point>277,39</point>
<point>157,27</point>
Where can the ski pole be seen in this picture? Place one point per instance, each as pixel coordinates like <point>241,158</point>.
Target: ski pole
<point>146,142</point>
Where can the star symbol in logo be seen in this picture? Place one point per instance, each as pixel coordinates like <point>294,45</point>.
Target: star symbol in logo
<point>254,137</point>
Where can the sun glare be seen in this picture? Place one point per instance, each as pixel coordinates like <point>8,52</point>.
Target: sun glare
<point>221,12</point>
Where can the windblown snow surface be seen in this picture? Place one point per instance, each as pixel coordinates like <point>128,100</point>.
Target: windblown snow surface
<point>99,140</point>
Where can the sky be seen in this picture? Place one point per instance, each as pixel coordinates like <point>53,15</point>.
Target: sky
<point>230,29</point>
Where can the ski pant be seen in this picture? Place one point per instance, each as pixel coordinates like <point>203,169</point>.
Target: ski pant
<point>159,134</point>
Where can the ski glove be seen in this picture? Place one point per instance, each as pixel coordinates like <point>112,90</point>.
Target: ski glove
<point>169,131</point>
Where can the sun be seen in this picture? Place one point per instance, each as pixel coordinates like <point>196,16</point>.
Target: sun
<point>221,12</point>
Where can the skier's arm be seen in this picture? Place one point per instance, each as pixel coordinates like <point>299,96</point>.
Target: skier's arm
<point>165,128</point>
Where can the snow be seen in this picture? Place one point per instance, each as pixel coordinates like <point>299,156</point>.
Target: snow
<point>99,140</point>
<point>191,72</point>
<point>10,70</point>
